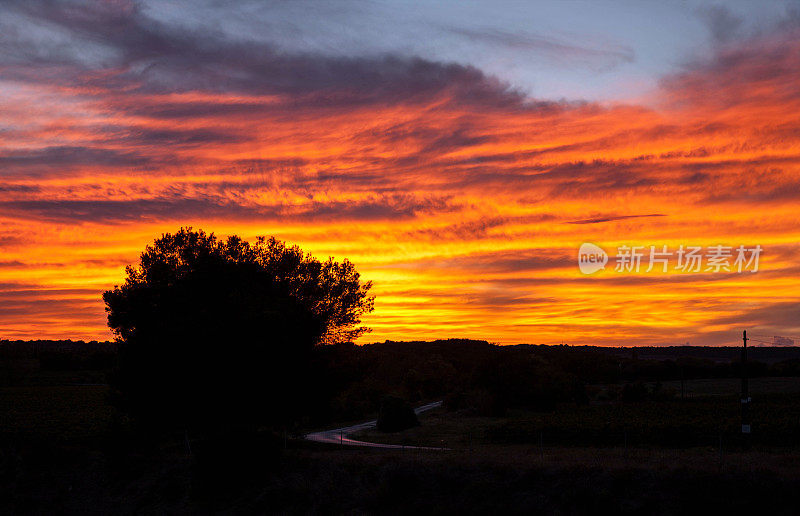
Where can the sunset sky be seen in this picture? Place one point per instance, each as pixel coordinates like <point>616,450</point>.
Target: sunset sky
<point>459,153</point>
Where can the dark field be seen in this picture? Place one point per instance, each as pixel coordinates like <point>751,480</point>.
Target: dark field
<point>65,449</point>
<point>61,412</point>
<point>70,459</point>
<point>709,416</point>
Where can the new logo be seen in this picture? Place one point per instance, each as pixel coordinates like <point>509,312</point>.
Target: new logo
<point>591,258</point>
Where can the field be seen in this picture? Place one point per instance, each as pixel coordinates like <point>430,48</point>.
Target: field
<point>732,386</point>
<point>709,415</point>
<point>63,445</point>
<point>60,412</point>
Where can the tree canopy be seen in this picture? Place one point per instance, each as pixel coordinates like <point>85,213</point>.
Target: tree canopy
<point>331,290</point>
<point>211,327</point>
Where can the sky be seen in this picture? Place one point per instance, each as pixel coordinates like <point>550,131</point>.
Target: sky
<point>458,153</point>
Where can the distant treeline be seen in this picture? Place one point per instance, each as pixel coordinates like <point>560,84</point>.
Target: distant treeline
<point>590,363</point>
<point>470,374</point>
<point>34,348</point>
<point>716,353</point>
<point>21,360</point>
<point>489,379</point>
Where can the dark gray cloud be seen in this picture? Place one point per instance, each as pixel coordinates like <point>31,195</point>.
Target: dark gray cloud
<point>49,159</point>
<point>182,208</point>
<point>722,23</point>
<point>168,110</point>
<point>609,218</point>
<point>135,52</point>
<point>146,137</point>
<point>760,69</point>
<point>758,186</point>
<point>11,240</point>
<point>773,316</point>
<point>6,188</point>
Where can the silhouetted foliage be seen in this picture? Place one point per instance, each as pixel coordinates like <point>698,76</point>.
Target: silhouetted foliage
<point>395,415</point>
<point>332,290</point>
<point>218,333</point>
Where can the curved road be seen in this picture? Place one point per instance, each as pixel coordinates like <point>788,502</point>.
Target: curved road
<point>340,435</point>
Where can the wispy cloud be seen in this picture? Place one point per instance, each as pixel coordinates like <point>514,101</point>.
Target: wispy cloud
<point>610,218</point>
<point>598,56</point>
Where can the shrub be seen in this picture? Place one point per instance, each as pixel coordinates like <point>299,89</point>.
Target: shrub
<point>395,415</point>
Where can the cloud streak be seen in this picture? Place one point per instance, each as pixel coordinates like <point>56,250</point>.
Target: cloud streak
<point>603,56</point>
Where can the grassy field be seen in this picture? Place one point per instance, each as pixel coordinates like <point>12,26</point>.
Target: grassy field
<point>59,449</point>
<point>709,416</point>
<point>496,479</point>
<point>732,386</point>
<point>61,412</point>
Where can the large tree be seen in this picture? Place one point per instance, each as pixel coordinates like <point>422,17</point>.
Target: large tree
<point>216,332</point>
<point>332,290</point>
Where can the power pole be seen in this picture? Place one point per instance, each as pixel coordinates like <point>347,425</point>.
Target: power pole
<point>745,390</point>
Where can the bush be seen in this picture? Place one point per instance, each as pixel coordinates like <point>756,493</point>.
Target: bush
<point>395,415</point>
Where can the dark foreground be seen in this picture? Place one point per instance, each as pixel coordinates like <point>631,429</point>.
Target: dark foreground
<point>636,441</point>
<point>507,479</point>
<point>65,452</point>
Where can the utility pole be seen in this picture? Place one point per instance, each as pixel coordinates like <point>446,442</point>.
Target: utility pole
<point>745,390</point>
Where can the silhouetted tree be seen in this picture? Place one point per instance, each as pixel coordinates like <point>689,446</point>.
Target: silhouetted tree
<point>332,290</point>
<point>218,333</point>
<point>395,415</point>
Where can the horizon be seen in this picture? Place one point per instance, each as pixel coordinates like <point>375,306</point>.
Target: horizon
<point>465,167</point>
<point>758,344</point>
